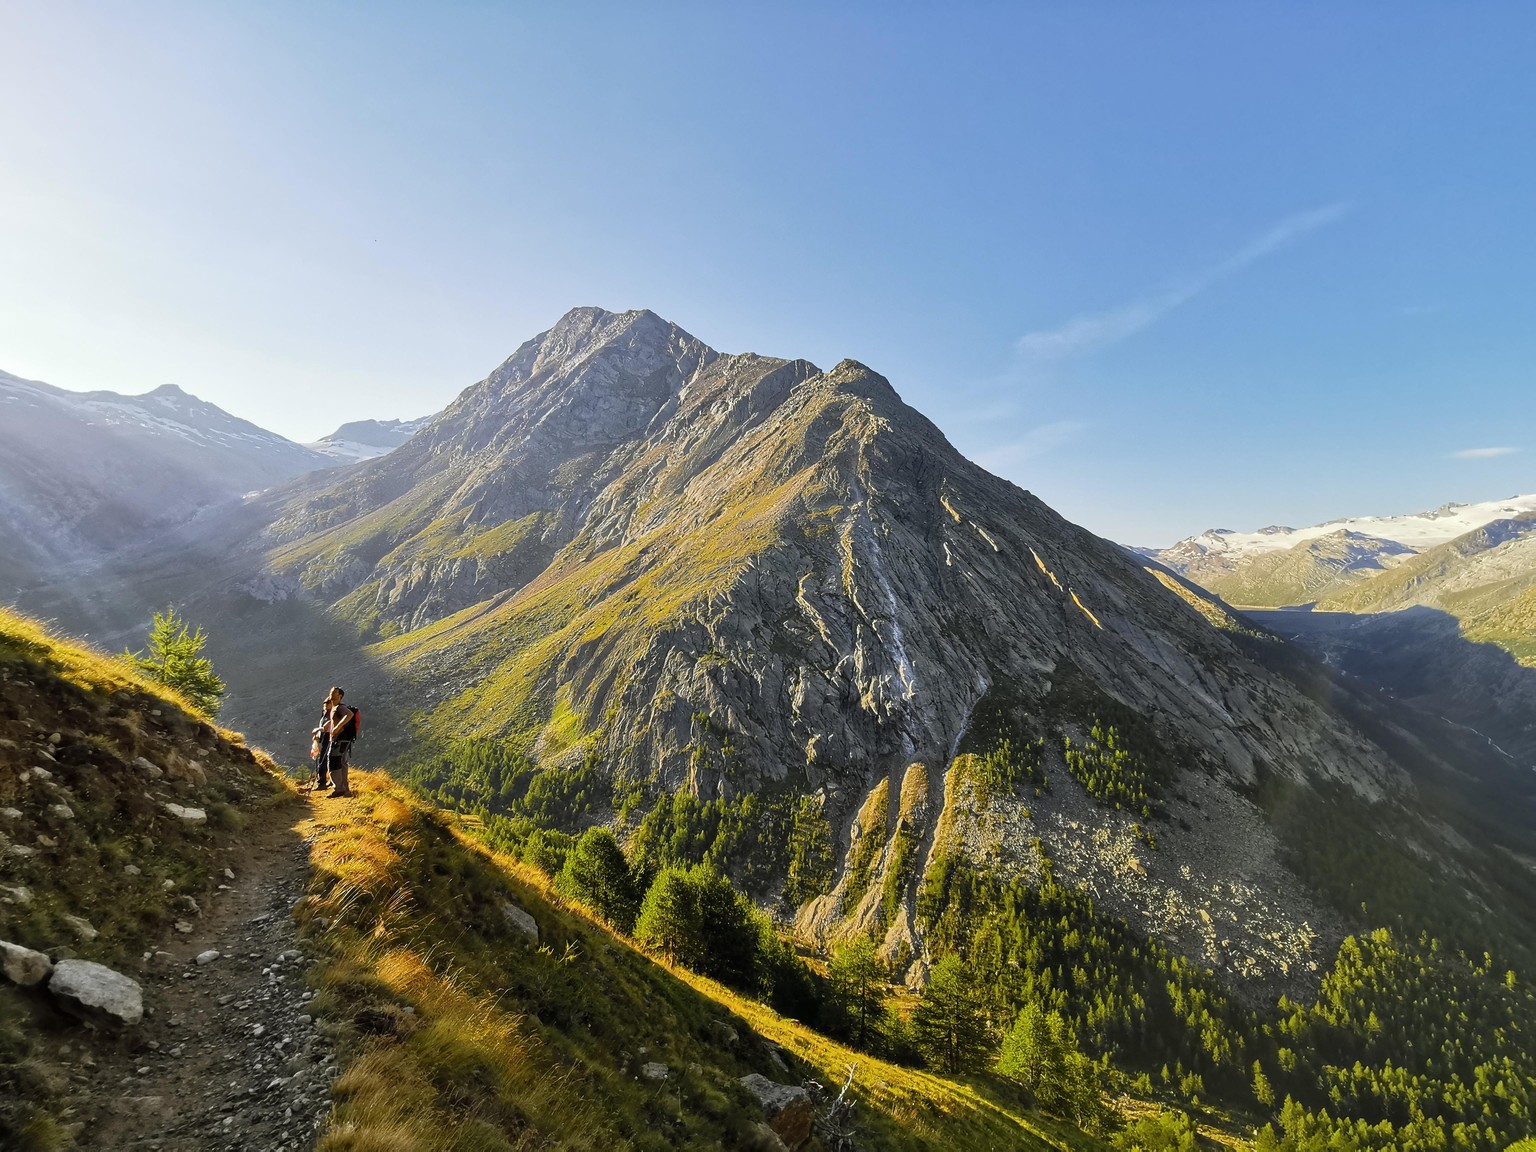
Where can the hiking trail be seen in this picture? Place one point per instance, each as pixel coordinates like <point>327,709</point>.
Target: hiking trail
<point>226,1056</point>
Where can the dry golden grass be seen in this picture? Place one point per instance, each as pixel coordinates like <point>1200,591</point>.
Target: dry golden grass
<point>82,666</point>
<point>92,670</point>
<point>453,1066</point>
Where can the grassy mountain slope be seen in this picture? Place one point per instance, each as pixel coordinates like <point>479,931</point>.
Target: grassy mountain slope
<point>1511,625</point>
<point>464,1035</point>
<point>454,1030</point>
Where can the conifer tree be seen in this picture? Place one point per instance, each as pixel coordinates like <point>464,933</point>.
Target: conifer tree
<point>597,874</point>
<point>669,917</point>
<point>1034,1052</point>
<point>175,659</point>
<point>810,853</point>
<point>949,1022</point>
<point>858,982</point>
<point>1262,1091</point>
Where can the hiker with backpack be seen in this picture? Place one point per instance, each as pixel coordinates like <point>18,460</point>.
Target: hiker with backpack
<point>339,728</point>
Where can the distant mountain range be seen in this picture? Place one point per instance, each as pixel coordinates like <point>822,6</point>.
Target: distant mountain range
<point>1416,530</point>
<point>1438,608</point>
<point>1474,562</point>
<point>84,474</point>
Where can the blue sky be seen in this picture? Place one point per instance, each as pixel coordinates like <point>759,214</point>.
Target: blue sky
<point>1169,266</point>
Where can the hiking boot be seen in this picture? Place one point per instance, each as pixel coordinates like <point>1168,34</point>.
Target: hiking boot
<point>340,795</point>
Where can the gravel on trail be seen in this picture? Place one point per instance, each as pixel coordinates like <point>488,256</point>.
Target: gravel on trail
<point>226,1056</point>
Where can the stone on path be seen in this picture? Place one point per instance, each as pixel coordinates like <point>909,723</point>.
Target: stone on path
<point>209,956</point>
<point>96,994</point>
<point>24,966</point>
<point>655,1072</point>
<point>153,771</point>
<point>190,815</point>
<point>81,927</point>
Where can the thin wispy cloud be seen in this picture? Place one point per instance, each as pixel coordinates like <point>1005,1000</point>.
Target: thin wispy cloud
<point>1482,453</point>
<point>1035,442</point>
<point>1088,333</point>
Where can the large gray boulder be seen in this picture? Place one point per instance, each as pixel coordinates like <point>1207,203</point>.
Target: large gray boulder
<point>24,966</point>
<point>788,1108</point>
<point>96,994</point>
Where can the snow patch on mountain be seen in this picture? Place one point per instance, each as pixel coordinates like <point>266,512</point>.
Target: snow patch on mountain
<point>1418,530</point>
<point>367,439</point>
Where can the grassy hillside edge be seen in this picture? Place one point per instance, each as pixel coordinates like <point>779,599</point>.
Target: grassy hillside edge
<point>94,861</point>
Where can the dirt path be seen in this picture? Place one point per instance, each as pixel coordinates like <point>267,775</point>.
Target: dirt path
<point>226,1057</point>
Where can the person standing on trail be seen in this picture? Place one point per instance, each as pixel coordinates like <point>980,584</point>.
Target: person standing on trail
<point>320,748</point>
<point>338,729</point>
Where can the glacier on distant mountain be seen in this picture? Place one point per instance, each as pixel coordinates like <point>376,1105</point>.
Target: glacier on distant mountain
<point>367,439</point>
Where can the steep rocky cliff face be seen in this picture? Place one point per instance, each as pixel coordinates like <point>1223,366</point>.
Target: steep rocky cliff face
<point>734,573</point>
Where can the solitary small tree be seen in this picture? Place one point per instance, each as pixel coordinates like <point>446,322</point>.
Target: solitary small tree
<point>175,659</point>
